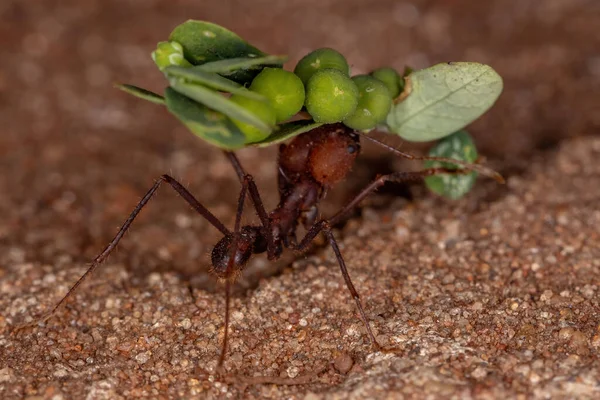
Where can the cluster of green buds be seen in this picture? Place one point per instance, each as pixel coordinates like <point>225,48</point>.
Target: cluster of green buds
<point>361,102</point>
<point>233,95</point>
<point>320,82</point>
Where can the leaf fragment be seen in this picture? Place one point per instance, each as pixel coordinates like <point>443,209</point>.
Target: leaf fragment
<point>444,99</point>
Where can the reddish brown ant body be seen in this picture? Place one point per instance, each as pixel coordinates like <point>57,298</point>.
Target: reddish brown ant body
<point>309,166</point>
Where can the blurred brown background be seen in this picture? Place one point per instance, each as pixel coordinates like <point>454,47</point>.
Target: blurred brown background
<point>72,147</point>
<point>77,154</point>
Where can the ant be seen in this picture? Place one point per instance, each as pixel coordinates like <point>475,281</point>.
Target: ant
<point>309,166</point>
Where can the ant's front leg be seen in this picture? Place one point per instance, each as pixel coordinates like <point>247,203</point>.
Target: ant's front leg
<point>229,270</point>
<point>325,226</point>
<point>247,179</point>
<point>182,191</point>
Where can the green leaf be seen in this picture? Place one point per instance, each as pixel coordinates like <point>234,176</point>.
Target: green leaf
<point>443,99</point>
<point>141,93</point>
<point>458,146</point>
<point>218,102</point>
<point>210,125</point>
<point>287,131</point>
<point>248,68</point>
<point>204,42</point>
<point>211,80</point>
<point>231,65</point>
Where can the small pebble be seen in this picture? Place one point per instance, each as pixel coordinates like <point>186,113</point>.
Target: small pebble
<point>547,295</point>
<point>60,373</point>
<point>186,323</point>
<point>293,372</point>
<point>6,375</point>
<point>479,373</point>
<point>142,358</point>
<point>343,363</point>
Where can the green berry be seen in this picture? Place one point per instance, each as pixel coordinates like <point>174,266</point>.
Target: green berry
<point>261,109</point>
<point>391,78</point>
<point>168,54</point>
<point>321,59</point>
<point>330,96</point>
<point>284,90</point>
<point>374,103</point>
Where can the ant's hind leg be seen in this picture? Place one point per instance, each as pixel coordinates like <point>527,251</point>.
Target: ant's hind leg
<point>325,227</point>
<point>482,169</point>
<point>182,191</point>
<point>397,177</point>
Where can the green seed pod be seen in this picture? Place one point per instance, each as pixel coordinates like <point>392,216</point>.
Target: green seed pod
<point>330,96</point>
<point>321,59</point>
<point>284,90</point>
<point>168,54</point>
<point>391,79</point>
<point>459,146</point>
<point>374,103</point>
<point>261,109</point>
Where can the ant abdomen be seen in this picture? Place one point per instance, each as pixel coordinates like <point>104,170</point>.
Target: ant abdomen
<point>250,241</point>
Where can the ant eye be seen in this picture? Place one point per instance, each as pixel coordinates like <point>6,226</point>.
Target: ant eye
<point>351,149</point>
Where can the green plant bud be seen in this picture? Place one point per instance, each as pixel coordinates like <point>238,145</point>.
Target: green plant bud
<point>284,90</point>
<point>459,146</point>
<point>374,103</point>
<point>330,96</point>
<point>168,54</point>
<point>321,59</point>
<point>391,79</point>
<point>262,110</point>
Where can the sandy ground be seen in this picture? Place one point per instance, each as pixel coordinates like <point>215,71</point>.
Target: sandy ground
<point>492,296</point>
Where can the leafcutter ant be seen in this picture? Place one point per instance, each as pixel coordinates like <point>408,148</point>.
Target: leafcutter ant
<point>309,166</point>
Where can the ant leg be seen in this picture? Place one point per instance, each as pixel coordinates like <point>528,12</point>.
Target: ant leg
<point>466,165</point>
<point>182,191</point>
<point>325,226</point>
<point>234,243</point>
<point>371,187</point>
<point>246,178</point>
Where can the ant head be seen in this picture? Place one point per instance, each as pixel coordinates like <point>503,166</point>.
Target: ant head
<point>324,154</point>
<point>249,242</point>
<point>332,158</point>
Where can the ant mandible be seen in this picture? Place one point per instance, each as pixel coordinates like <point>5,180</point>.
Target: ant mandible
<point>309,165</point>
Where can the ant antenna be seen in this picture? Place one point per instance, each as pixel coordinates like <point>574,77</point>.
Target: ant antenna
<point>473,167</point>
